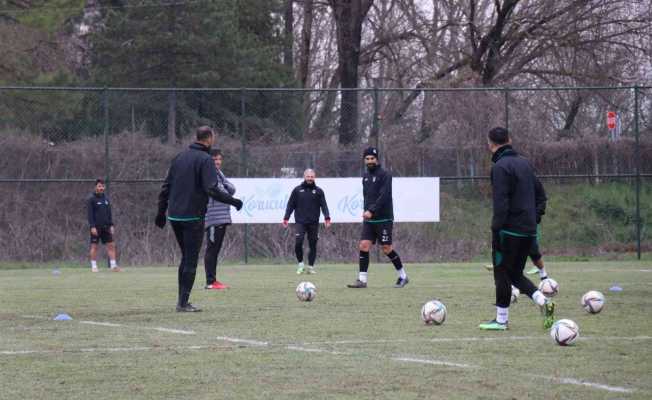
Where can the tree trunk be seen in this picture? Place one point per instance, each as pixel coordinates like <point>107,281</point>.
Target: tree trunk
<point>172,117</point>
<point>306,38</point>
<point>288,35</point>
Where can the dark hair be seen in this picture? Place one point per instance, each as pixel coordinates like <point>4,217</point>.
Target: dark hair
<point>215,152</point>
<point>204,132</point>
<point>99,180</point>
<point>498,135</point>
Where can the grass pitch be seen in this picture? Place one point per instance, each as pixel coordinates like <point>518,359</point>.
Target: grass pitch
<point>256,340</point>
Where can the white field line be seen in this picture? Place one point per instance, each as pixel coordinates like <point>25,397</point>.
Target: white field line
<point>168,330</point>
<point>111,324</point>
<point>432,362</point>
<point>104,350</point>
<point>578,382</point>
<point>314,350</point>
<point>473,339</point>
<point>242,341</point>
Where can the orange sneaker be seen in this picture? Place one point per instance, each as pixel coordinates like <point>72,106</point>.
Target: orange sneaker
<point>217,285</point>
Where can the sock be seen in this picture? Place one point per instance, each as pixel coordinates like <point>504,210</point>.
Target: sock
<point>113,263</point>
<point>362,277</point>
<point>401,273</point>
<point>539,298</point>
<point>396,260</point>
<point>93,264</point>
<point>542,273</point>
<point>364,261</point>
<point>301,264</point>
<point>502,315</point>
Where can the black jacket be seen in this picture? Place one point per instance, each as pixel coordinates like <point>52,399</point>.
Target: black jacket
<point>99,211</point>
<point>192,177</point>
<point>518,195</point>
<point>377,193</point>
<point>306,201</point>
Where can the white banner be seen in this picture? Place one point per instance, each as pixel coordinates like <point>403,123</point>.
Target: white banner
<point>265,199</point>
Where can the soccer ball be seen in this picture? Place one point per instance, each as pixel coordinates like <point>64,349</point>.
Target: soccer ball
<point>564,332</point>
<point>306,291</point>
<point>592,301</point>
<point>515,294</point>
<point>549,287</point>
<point>433,312</point>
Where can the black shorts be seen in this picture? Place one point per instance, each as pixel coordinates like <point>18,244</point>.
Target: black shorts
<point>103,234</point>
<point>312,230</point>
<point>379,231</point>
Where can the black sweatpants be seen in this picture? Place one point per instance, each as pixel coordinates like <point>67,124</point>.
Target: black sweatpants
<point>509,261</point>
<point>300,230</point>
<point>214,239</point>
<point>189,235</point>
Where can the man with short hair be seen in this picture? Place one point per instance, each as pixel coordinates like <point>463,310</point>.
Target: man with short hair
<point>378,219</point>
<point>513,228</point>
<point>218,217</point>
<point>100,220</point>
<point>191,179</point>
<point>306,201</point>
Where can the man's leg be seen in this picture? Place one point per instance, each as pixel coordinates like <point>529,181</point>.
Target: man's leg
<point>501,257</point>
<point>385,234</point>
<point>192,241</point>
<point>299,234</point>
<point>210,257</point>
<point>110,248</point>
<point>93,256</point>
<point>313,237</point>
<point>220,231</point>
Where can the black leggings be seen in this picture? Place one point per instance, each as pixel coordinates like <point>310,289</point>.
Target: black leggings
<point>313,236</point>
<point>509,263</point>
<point>189,235</point>
<point>214,239</point>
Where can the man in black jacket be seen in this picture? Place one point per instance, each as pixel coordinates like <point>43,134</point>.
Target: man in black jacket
<point>378,219</point>
<point>191,179</point>
<point>513,227</point>
<point>100,220</point>
<point>306,201</point>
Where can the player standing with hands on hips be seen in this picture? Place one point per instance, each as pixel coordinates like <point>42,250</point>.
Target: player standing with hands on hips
<point>513,227</point>
<point>306,201</point>
<point>378,219</point>
<point>191,179</point>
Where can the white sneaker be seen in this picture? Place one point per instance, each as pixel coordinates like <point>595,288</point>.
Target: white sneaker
<point>300,269</point>
<point>311,270</point>
<point>95,269</point>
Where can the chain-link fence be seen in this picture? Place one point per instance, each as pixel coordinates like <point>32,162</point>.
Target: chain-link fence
<point>591,146</point>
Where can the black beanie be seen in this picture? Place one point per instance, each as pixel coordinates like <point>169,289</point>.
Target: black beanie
<point>370,151</point>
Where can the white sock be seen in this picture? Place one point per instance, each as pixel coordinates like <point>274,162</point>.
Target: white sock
<point>93,264</point>
<point>301,264</point>
<point>113,263</point>
<point>362,276</point>
<point>539,298</point>
<point>401,273</point>
<point>542,273</point>
<point>502,314</point>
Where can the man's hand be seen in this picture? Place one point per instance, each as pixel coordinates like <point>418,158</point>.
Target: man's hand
<point>112,229</point>
<point>160,220</point>
<point>94,231</point>
<point>237,203</point>
<point>367,215</point>
<point>327,222</point>
<point>285,223</point>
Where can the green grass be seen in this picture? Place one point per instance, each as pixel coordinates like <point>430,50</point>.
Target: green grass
<point>75,360</point>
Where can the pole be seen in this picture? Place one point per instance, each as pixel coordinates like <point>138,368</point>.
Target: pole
<point>638,174</point>
<point>107,166</point>
<point>506,93</point>
<point>243,165</point>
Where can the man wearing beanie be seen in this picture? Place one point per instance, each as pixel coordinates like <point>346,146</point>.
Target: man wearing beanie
<point>514,227</point>
<point>306,201</point>
<point>378,219</point>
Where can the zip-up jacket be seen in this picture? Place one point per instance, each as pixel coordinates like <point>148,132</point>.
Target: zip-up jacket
<point>192,177</point>
<point>219,213</point>
<point>377,193</point>
<point>306,201</point>
<point>99,211</point>
<point>518,194</point>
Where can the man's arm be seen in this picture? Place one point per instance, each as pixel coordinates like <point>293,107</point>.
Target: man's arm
<point>539,198</point>
<point>163,198</point>
<point>291,206</point>
<point>323,205</point>
<point>90,212</point>
<point>211,185</point>
<point>227,184</point>
<point>385,194</point>
<point>501,184</point>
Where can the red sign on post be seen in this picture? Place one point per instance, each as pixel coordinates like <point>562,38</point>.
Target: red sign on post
<point>611,120</point>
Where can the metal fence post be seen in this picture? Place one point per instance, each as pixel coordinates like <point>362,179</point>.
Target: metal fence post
<point>376,118</point>
<point>243,165</point>
<point>506,93</point>
<point>638,174</point>
<point>107,165</point>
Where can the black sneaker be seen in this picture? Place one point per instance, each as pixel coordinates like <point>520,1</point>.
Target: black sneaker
<point>358,284</point>
<point>188,308</point>
<point>400,282</point>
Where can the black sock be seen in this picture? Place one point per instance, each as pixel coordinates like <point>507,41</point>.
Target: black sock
<point>364,261</point>
<point>396,260</point>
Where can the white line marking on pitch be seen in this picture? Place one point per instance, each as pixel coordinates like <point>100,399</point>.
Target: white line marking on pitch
<point>168,330</point>
<point>102,350</point>
<point>100,323</point>
<point>571,381</point>
<point>432,362</point>
<point>242,341</point>
<point>314,350</point>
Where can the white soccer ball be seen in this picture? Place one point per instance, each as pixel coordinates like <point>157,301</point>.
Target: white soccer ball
<point>592,301</point>
<point>564,332</point>
<point>433,312</point>
<point>549,287</point>
<point>306,291</point>
<point>515,294</point>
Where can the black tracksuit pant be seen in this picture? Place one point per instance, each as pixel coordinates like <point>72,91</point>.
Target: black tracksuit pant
<point>509,261</point>
<point>189,235</point>
<point>214,239</point>
<point>313,236</point>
